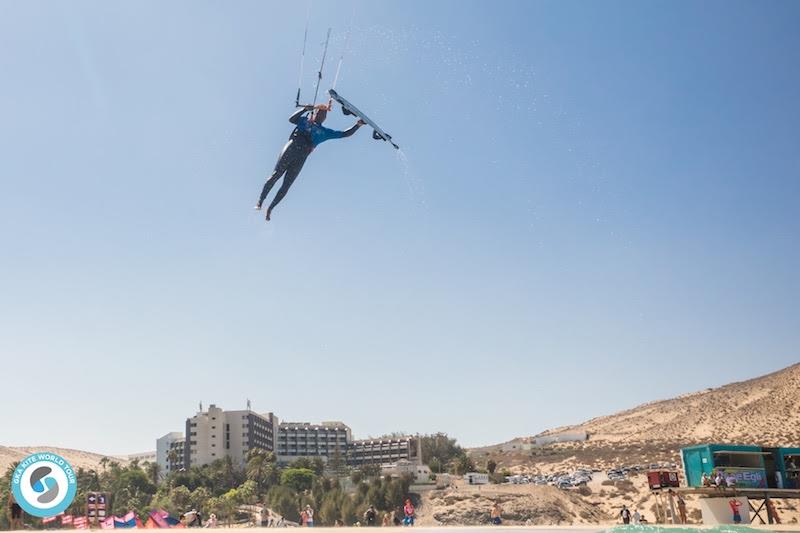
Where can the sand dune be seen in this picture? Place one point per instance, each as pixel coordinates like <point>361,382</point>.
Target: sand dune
<point>77,458</point>
<point>764,410</point>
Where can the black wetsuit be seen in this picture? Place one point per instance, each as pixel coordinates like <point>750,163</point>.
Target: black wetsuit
<point>305,137</point>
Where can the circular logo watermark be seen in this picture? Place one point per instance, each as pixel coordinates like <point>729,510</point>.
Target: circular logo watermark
<point>44,484</point>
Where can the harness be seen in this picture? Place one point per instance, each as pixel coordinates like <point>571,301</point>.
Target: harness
<point>302,136</point>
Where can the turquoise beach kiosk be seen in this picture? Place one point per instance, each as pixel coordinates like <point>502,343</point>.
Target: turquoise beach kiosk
<point>745,463</point>
<point>755,467</point>
<point>761,474</point>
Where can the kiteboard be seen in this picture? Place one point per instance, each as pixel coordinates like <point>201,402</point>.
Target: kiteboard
<point>349,109</point>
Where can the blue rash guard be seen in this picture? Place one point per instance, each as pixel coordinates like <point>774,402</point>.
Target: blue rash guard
<point>320,134</point>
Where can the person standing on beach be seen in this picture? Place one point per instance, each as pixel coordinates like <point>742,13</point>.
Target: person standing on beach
<point>370,515</point>
<point>496,514</point>
<point>682,508</point>
<point>637,518</point>
<point>735,504</point>
<point>309,516</point>
<point>408,513</point>
<point>625,514</point>
<point>774,511</point>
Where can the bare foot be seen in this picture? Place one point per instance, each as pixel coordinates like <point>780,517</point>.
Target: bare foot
<point>269,212</point>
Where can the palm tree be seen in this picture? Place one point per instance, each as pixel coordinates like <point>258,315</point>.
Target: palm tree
<point>260,467</point>
<point>154,471</point>
<point>172,458</point>
<point>228,471</point>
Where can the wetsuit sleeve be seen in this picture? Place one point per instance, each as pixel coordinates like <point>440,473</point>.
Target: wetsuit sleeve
<point>297,114</point>
<point>346,133</point>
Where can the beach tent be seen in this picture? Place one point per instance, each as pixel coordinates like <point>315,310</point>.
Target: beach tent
<point>128,521</point>
<point>163,520</point>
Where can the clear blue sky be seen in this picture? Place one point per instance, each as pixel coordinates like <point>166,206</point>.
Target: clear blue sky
<point>599,208</point>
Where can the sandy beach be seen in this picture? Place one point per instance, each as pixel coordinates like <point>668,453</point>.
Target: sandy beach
<point>542,529</point>
<point>567,529</point>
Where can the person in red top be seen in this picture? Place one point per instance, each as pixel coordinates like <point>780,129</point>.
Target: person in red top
<point>408,511</point>
<point>735,504</point>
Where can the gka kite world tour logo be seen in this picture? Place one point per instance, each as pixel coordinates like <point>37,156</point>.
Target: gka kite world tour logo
<point>44,484</point>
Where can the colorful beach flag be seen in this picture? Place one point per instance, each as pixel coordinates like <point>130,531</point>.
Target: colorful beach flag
<point>52,518</point>
<point>80,522</point>
<point>108,523</point>
<point>160,518</point>
<point>66,519</point>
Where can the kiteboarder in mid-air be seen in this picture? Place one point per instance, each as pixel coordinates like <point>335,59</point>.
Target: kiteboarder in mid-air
<point>307,134</point>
